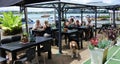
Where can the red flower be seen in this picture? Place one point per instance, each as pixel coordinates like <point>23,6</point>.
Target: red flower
<point>94,41</point>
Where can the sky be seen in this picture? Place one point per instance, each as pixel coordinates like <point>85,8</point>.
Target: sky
<point>77,1</point>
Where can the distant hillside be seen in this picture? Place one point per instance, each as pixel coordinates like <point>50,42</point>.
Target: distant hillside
<point>69,11</point>
<point>86,11</point>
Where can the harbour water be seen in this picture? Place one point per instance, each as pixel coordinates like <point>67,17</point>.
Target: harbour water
<point>34,17</point>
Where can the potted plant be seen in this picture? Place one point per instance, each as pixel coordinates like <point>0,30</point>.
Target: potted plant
<point>118,41</point>
<point>98,47</point>
<point>24,38</point>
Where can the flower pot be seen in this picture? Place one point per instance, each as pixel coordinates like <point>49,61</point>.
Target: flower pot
<point>118,42</point>
<point>98,56</point>
<point>24,39</point>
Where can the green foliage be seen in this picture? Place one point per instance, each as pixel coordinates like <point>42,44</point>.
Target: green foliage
<point>91,47</point>
<point>11,24</point>
<point>118,38</point>
<point>25,34</point>
<point>104,16</point>
<point>101,44</point>
<point>104,43</point>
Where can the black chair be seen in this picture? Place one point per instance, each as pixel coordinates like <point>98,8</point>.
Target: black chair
<point>37,33</point>
<point>29,56</point>
<point>74,37</point>
<point>6,40</point>
<point>16,38</point>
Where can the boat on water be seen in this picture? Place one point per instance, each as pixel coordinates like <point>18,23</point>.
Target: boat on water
<point>45,16</point>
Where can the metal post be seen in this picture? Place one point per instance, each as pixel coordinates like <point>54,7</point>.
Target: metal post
<point>95,21</point>
<point>62,14</point>
<point>55,15</point>
<point>81,15</point>
<point>65,14</point>
<point>114,18</point>
<point>0,36</point>
<point>26,19</point>
<point>62,11</point>
<point>59,25</point>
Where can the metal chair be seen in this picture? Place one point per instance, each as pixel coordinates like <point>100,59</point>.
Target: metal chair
<point>16,38</point>
<point>28,57</point>
<point>6,40</point>
<point>74,38</point>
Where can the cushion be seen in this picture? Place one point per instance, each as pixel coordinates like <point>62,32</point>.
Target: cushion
<point>6,40</point>
<point>16,38</point>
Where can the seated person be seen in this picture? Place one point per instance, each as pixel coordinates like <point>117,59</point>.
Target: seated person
<point>47,28</point>
<point>37,26</point>
<point>89,31</point>
<point>83,23</point>
<point>77,24</point>
<point>71,23</point>
<point>89,23</point>
<point>65,24</point>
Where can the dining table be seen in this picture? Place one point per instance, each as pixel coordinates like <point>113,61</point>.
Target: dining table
<point>83,32</point>
<point>66,35</point>
<point>17,46</point>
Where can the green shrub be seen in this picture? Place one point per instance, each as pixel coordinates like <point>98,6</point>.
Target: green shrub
<point>11,24</point>
<point>104,16</point>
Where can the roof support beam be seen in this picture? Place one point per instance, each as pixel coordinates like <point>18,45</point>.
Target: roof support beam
<point>26,18</point>
<point>114,17</point>
<point>81,15</point>
<point>95,9</point>
<point>59,27</point>
<point>65,12</point>
<point>62,10</point>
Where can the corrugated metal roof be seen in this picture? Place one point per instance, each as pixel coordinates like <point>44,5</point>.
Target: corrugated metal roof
<point>51,4</point>
<point>102,5</point>
<point>66,4</point>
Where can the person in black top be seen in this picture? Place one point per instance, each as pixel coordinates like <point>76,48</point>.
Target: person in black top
<point>47,29</point>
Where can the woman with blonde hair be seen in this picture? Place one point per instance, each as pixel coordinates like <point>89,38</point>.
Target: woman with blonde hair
<point>46,24</point>
<point>37,25</point>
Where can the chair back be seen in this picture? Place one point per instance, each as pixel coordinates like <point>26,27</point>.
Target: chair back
<point>6,40</point>
<point>30,53</point>
<point>16,38</point>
